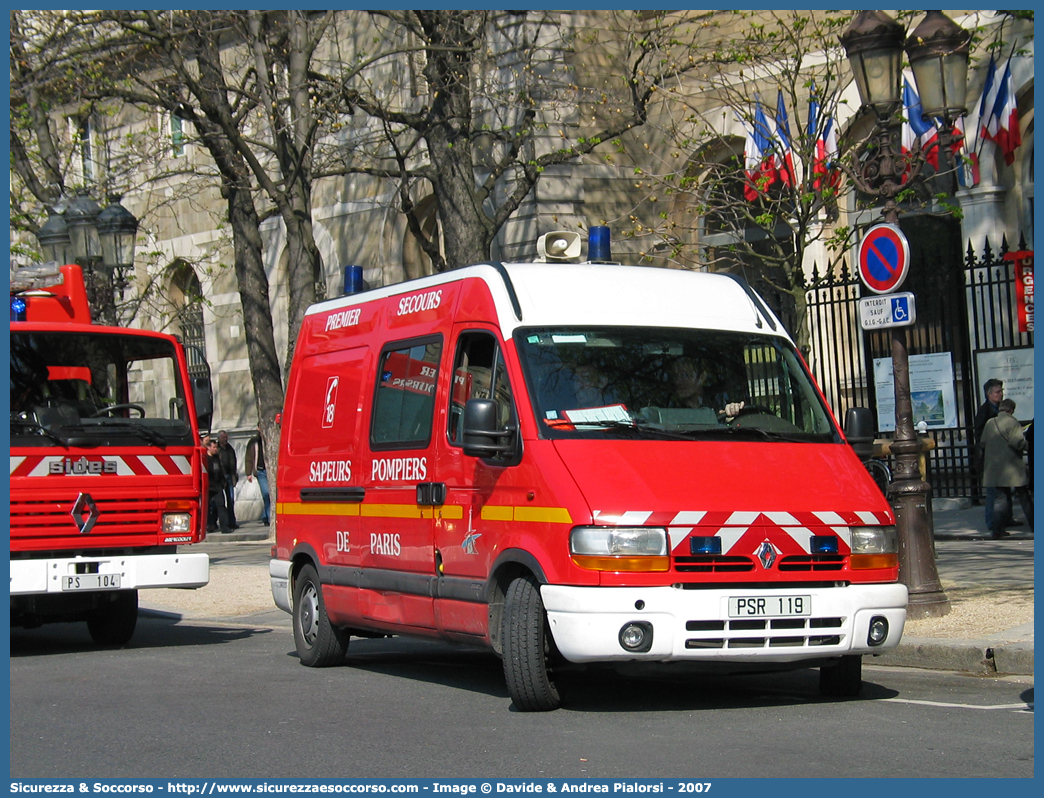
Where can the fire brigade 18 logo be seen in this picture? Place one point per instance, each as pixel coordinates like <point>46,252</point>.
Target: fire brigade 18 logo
<point>82,466</point>
<point>330,404</point>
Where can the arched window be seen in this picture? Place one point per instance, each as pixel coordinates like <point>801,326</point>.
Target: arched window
<point>186,296</point>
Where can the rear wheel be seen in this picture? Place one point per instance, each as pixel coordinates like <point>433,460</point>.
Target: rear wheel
<point>843,680</point>
<point>528,649</point>
<point>319,644</point>
<point>113,623</point>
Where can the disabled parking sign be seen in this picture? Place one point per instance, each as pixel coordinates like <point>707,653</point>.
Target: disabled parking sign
<point>884,258</point>
<point>894,310</point>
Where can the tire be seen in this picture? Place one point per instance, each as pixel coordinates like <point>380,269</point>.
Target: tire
<point>113,624</point>
<point>528,648</point>
<point>319,644</point>
<point>843,680</point>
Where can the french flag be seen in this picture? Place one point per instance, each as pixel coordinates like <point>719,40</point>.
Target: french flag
<point>1004,122</point>
<point>784,155</point>
<point>758,161</point>
<point>917,132</point>
<point>824,133</point>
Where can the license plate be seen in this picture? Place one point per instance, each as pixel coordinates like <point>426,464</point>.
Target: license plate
<point>769,606</point>
<point>91,582</point>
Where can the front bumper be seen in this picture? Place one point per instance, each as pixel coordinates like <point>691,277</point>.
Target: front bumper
<point>279,578</point>
<point>694,625</point>
<point>136,572</point>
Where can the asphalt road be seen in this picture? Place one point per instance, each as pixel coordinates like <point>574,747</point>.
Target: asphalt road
<point>199,699</point>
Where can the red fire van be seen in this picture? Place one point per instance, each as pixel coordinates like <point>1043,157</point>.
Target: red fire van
<point>576,463</point>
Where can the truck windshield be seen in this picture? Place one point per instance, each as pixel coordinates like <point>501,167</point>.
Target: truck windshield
<point>96,389</point>
<point>665,383</point>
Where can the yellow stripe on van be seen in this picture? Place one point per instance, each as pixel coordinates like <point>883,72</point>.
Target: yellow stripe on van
<point>498,513</point>
<point>451,511</point>
<point>537,515</point>
<point>395,511</point>
<point>316,508</point>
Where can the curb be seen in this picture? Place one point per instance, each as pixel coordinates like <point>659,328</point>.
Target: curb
<point>979,657</point>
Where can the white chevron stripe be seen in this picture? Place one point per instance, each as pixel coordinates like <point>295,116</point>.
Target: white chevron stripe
<point>677,534</point>
<point>739,518</point>
<point>182,463</point>
<point>152,464</point>
<point>729,535</point>
<point>800,535</point>
<point>689,517</point>
<point>16,461</point>
<point>827,517</point>
<point>845,533</point>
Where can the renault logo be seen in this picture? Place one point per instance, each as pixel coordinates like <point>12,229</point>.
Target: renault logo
<point>766,553</point>
<point>85,513</point>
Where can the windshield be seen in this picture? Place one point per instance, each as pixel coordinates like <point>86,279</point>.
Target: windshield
<point>96,389</point>
<point>669,383</point>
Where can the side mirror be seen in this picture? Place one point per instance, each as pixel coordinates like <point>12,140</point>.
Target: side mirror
<point>482,434</point>
<point>203,396</point>
<point>859,429</point>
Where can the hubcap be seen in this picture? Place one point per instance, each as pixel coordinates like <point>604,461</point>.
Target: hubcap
<point>310,614</point>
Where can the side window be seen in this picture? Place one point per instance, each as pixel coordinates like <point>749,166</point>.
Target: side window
<point>404,402</point>
<point>478,373</point>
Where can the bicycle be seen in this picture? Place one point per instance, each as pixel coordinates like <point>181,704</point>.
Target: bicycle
<point>880,473</point>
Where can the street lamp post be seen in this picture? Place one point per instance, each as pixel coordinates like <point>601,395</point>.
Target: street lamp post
<point>938,52</point>
<point>101,241</point>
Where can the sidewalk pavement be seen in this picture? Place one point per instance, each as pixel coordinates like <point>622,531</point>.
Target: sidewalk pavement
<point>989,583</point>
<point>989,630</point>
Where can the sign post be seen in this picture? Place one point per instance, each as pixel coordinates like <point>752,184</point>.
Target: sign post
<point>884,260</point>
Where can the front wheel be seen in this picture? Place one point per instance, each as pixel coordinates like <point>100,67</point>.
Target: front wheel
<point>319,643</point>
<point>844,679</point>
<point>528,649</point>
<point>113,623</point>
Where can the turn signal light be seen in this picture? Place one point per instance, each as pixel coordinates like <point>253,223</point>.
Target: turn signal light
<point>595,563</point>
<point>861,561</point>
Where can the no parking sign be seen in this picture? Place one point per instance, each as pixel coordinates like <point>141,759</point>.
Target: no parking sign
<point>884,258</point>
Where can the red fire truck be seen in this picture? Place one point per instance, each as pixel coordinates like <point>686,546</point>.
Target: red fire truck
<point>107,473</point>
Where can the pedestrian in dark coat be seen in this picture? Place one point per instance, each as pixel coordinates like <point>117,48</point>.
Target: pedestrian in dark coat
<point>227,455</point>
<point>217,515</point>
<point>1004,466</point>
<point>994,390</point>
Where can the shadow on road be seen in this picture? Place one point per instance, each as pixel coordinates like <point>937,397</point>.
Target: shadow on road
<point>151,632</point>
<point>591,688</point>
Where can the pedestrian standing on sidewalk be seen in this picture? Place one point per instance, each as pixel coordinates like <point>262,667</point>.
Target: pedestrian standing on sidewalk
<point>217,514</point>
<point>1004,467</point>
<point>227,455</point>
<point>254,466</point>
<point>994,390</point>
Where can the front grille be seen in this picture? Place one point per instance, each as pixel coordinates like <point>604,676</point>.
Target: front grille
<point>812,562</point>
<point>764,633</point>
<point>713,563</point>
<point>116,517</point>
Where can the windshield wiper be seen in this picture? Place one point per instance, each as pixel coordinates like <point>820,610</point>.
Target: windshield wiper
<point>32,425</point>
<point>149,434</point>
<point>145,432</point>
<point>633,425</point>
<point>764,434</point>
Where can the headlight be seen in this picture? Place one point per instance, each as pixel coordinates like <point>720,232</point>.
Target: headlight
<point>174,523</point>
<point>615,548</point>
<point>874,547</point>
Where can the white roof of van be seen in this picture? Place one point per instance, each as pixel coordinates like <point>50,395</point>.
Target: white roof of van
<point>593,293</point>
<point>585,294</point>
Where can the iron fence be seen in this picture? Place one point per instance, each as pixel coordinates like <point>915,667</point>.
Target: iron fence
<point>964,305</point>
